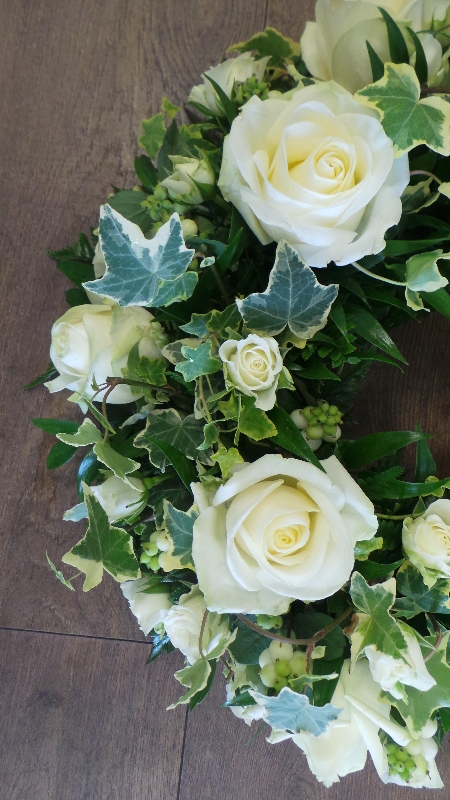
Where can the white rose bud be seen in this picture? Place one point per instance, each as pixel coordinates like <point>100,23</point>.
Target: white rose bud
<point>147,608</point>
<point>181,185</point>
<point>331,194</point>
<point>94,341</point>
<point>394,673</point>
<point>334,46</point>
<point>253,366</point>
<point>279,529</point>
<point>183,623</point>
<point>426,541</point>
<point>118,499</point>
<point>225,75</point>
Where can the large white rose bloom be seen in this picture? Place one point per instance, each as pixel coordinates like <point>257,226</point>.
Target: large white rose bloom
<point>316,170</point>
<point>94,341</point>
<point>334,47</point>
<point>183,623</point>
<point>278,529</point>
<point>426,541</point>
<point>147,608</point>
<point>231,70</point>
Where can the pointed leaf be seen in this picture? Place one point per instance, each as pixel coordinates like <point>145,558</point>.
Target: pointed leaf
<point>87,433</point>
<point>397,45</point>
<point>376,63</point>
<point>421,65</point>
<point>59,575</point>
<point>422,274</point>
<point>120,465</point>
<point>435,599</point>
<point>180,527</point>
<point>370,329</point>
<point>419,706</point>
<point>199,361</point>
<point>153,136</point>
<point>290,711</point>
<point>195,677</point>
<point>253,422</point>
<point>167,427</point>
<point>376,445</point>
<point>270,43</point>
<point>60,454</point>
<point>377,627</point>
<point>289,437</point>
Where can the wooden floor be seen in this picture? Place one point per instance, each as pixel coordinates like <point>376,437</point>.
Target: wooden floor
<point>82,716</point>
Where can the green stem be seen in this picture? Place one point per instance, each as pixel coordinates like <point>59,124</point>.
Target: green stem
<point>397,516</point>
<point>203,399</point>
<point>312,639</point>
<point>219,282</point>
<point>376,277</point>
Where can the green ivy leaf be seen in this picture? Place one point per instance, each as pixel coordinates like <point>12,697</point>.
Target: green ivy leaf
<point>195,678</point>
<point>422,274</point>
<point>270,43</point>
<point>227,459</point>
<point>290,711</point>
<point>376,626</point>
<point>151,370</point>
<point>87,433</point>
<point>175,291</point>
<point>137,266</point>
<point>180,527</point>
<point>253,422</point>
<point>293,297</point>
<point>146,172</point>
<point>211,434</point>
<point>365,548</point>
<point>406,119</point>
<point>167,427</point>
<point>153,136</point>
<point>410,583</point>
<point>419,706</point>
<point>120,465</point>
<point>103,547</point>
<point>199,361</point>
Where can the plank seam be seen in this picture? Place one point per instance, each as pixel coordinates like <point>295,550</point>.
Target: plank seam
<point>76,635</point>
<point>183,746</point>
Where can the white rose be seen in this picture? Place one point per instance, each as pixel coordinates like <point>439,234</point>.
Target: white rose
<point>317,171</point>
<point>183,623</point>
<point>94,341</point>
<point>181,185</point>
<point>426,541</point>
<point>232,70</point>
<point>147,608</point>
<point>394,673</point>
<point>118,499</point>
<point>279,529</point>
<point>253,365</point>
<point>334,47</point>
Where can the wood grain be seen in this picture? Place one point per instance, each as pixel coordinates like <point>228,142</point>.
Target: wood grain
<point>76,80</point>
<point>85,719</point>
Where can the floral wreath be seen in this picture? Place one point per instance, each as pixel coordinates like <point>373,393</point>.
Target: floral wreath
<point>223,316</point>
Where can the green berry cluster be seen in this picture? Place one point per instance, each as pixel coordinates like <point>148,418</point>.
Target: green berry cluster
<point>403,763</point>
<point>151,550</point>
<point>161,207</point>
<point>244,91</point>
<point>269,623</point>
<point>279,663</point>
<point>322,419</point>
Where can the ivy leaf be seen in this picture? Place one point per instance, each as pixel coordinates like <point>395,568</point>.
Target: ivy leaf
<point>195,678</point>
<point>406,119</point>
<point>253,422</point>
<point>227,459</point>
<point>293,297</point>
<point>215,321</point>
<point>87,433</point>
<point>419,705</point>
<point>211,434</point>
<point>180,527</point>
<point>199,361</point>
<point>103,547</point>
<point>136,266</point>
<point>376,626</point>
<point>422,274</point>
<point>153,136</point>
<point>167,426</point>
<point>365,548</point>
<point>151,370</point>
<point>270,43</point>
<point>410,583</point>
<point>175,291</point>
<point>120,465</point>
<point>290,711</point>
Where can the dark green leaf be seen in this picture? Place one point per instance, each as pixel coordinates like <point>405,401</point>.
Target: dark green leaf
<point>182,465</point>
<point>228,106</point>
<point>231,252</point>
<point>60,454</point>
<point>439,300</point>
<point>180,527</point>
<point>425,463</point>
<point>56,425</point>
<point>76,297</point>
<point>87,472</point>
<point>370,329</point>
<point>76,271</point>
<point>444,715</point>
<point>169,147</point>
<point>146,172</point>
<point>289,437</point>
<point>317,371</point>
<point>400,247</point>
<point>421,65</point>
<point>50,373</point>
<point>128,203</point>
<point>376,63</point>
<point>397,45</point>
<point>435,599</point>
<point>323,690</point>
<point>376,445</point>
<point>248,645</point>
<point>306,625</point>
<point>372,571</point>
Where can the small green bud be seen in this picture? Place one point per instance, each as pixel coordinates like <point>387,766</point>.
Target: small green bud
<point>402,755</point>
<point>150,548</point>
<point>330,430</point>
<point>160,192</point>
<point>180,208</point>
<point>314,431</point>
<point>391,748</point>
<point>267,622</point>
<point>268,675</point>
<point>322,418</point>
<point>391,759</point>
<point>410,764</point>
<point>307,412</point>
<point>298,664</point>
<point>283,668</point>
<point>333,410</point>
<point>154,563</point>
<point>316,412</point>
<point>165,216</point>
<point>324,405</point>
<point>145,558</point>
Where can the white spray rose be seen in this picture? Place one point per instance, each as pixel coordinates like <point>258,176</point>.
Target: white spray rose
<point>422,752</point>
<point>232,70</point>
<point>94,341</point>
<point>183,624</point>
<point>181,185</point>
<point>394,673</point>
<point>334,47</point>
<point>426,541</point>
<point>147,608</point>
<point>279,529</point>
<point>118,499</point>
<point>316,170</point>
<point>253,365</point>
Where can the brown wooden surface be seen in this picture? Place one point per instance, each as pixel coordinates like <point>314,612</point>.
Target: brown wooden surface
<point>82,717</point>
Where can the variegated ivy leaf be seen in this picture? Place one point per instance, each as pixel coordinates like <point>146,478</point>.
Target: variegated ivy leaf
<point>364,548</point>
<point>180,526</point>
<point>140,271</point>
<point>290,711</point>
<point>195,677</point>
<point>406,119</point>
<point>293,297</point>
<point>120,465</point>
<point>87,433</point>
<point>199,361</point>
<point>184,434</point>
<point>103,547</point>
<point>422,273</point>
<point>376,626</point>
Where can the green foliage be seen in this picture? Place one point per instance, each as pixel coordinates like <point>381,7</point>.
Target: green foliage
<point>167,427</point>
<point>146,172</point>
<point>153,136</point>
<point>180,527</point>
<point>370,448</point>
<point>59,455</point>
<point>377,626</point>
<point>408,120</point>
<point>289,437</point>
<point>120,465</point>
<point>386,486</point>
<point>307,624</point>
<point>397,45</point>
<point>195,677</point>
<point>418,707</point>
<point>253,422</point>
<point>219,322</point>
<point>103,547</point>
<point>425,463</point>
<point>48,375</point>
<point>227,459</point>
<point>199,361</point>
<point>58,574</point>
<point>365,548</point>
<point>129,205</point>
<point>435,599</point>
<point>87,433</point>
<point>171,489</point>
<point>293,712</point>
<point>136,267</point>
<point>293,297</point>
<point>248,644</point>
<point>376,63</point>
<point>422,275</point>
<point>270,43</point>
<point>56,425</point>
<point>372,331</point>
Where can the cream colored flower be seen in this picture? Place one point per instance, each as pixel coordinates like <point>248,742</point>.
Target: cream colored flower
<point>426,541</point>
<point>334,46</point>
<point>94,341</point>
<point>147,608</point>
<point>181,185</point>
<point>316,170</point>
<point>183,623</point>
<point>253,366</point>
<point>394,673</point>
<point>232,70</point>
<point>279,529</point>
<point>119,499</point>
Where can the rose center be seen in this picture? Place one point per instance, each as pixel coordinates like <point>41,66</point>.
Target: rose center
<point>288,540</point>
<point>330,168</point>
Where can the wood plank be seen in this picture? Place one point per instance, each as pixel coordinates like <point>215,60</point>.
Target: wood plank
<point>85,719</point>
<point>219,762</point>
<point>289,16</point>
<point>76,79</point>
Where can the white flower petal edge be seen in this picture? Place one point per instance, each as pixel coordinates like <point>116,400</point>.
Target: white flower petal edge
<point>279,529</point>
<point>147,608</point>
